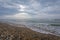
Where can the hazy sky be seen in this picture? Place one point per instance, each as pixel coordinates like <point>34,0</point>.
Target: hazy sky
<point>25,9</point>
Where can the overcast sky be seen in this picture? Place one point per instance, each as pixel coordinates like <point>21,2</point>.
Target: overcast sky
<point>26,9</point>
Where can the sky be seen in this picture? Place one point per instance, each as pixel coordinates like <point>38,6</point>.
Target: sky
<point>29,9</point>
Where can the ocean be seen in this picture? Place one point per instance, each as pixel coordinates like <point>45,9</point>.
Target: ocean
<point>47,28</point>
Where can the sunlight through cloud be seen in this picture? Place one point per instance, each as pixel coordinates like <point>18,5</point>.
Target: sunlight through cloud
<point>22,8</point>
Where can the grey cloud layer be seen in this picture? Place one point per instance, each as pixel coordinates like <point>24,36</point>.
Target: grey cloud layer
<point>34,8</point>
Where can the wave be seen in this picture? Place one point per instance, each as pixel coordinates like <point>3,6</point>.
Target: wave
<point>46,28</point>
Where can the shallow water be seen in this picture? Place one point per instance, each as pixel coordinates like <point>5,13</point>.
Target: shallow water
<point>44,28</point>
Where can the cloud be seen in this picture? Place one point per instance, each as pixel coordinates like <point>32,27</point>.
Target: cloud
<point>22,7</point>
<point>49,10</point>
<point>22,16</point>
<point>25,9</point>
<point>18,16</point>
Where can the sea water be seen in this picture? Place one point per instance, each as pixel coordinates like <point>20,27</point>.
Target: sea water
<point>46,28</point>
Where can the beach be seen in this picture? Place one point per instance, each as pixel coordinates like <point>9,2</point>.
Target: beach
<point>9,32</point>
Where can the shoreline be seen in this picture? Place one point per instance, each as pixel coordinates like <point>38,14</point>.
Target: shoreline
<point>31,28</point>
<point>23,33</point>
